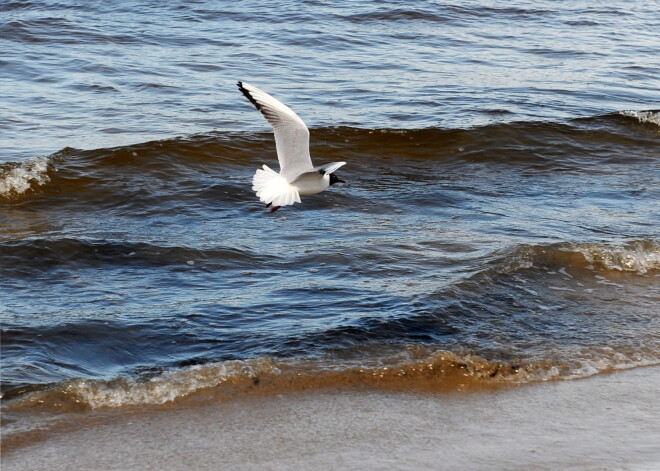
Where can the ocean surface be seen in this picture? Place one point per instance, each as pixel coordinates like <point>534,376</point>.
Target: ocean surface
<point>499,224</point>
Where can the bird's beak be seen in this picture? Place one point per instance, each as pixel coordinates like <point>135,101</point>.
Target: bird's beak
<point>340,181</point>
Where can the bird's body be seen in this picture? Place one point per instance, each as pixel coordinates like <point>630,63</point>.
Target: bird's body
<point>297,174</point>
<point>309,183</point>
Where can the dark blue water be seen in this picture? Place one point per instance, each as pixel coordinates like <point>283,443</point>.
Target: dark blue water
<point>499,222</point>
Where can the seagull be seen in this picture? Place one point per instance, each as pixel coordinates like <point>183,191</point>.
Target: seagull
<point>297,174</point>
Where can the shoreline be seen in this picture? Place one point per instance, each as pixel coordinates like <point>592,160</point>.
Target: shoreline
<point>609,421</point>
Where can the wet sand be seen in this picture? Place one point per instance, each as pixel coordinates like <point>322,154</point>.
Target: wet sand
<point>605,422</point>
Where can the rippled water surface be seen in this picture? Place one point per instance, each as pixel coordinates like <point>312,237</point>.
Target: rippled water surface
<point>499,223</point>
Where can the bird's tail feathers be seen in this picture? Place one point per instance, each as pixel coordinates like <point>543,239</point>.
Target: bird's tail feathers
<point>272,188</point>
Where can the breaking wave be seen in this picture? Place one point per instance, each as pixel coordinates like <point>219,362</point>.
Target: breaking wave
<point>644,117</point>
<point>19,178</point>
<point>414,368</point>
<point>156,168</point>
<point>640,257</point>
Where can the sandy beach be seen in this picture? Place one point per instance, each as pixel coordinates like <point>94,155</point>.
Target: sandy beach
<point>609,421</point>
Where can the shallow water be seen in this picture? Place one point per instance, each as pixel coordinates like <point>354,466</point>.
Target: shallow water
<point>499,223</point>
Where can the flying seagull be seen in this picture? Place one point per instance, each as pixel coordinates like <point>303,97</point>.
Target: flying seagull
<point>297,174</point>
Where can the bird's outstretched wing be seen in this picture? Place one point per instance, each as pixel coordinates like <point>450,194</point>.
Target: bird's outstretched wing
<point>291,134</point>
<point>329,168</point>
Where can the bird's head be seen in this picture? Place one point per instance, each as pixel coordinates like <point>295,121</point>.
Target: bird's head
<point>335,179</point>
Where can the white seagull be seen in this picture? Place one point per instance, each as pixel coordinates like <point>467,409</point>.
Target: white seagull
<point>297,174</point>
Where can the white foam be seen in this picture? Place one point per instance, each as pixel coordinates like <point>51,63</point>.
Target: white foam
<point>607,360</point>
<point>16,180</point>
<point>167,386</point>
<point>652,117</point>
<point>639,257</point>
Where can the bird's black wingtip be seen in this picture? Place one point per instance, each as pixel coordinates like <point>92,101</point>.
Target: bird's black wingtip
<point>248,95</point>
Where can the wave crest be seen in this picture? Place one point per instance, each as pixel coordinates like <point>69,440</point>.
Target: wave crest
<point>158,389</point>
<point>640,257</point>
<point>167,386</point>
<point>644,117</point>
<point>19,178</point>
<point>413,368</point>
